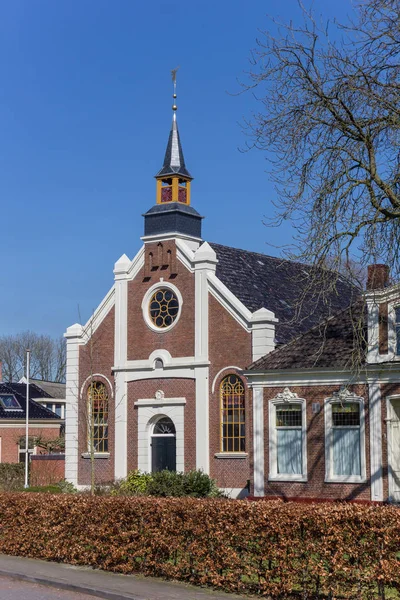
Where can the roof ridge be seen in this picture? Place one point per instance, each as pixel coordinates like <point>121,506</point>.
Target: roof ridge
<point>257,253</point>
<point>341,277</point>
<point>47,381</point>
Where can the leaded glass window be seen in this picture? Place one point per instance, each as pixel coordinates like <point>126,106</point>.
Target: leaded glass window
<point>98,410</point>
<point>163,308</point>
<point>233,421</point>
<point>164,426</point>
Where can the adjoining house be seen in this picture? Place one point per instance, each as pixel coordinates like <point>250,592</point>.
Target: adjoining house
<point>44,425</point>
<point>326,406</point>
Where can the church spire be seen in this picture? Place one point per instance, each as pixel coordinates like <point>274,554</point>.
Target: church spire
<point>173,179</point>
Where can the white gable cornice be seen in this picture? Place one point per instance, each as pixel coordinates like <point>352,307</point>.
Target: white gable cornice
<point>229,301</point>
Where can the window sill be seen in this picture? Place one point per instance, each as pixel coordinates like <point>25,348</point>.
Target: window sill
<point>346,480</point>
<point>289,478</point>
<point>96,455</point>
<point>231,455</point>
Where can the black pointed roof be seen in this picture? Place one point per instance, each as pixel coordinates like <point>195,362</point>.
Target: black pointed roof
<point>174,162</point>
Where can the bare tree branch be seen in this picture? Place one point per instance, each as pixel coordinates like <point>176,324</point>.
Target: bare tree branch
<point>329,125</point>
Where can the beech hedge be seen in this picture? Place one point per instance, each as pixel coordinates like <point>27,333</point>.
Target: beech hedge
<point>274,549</point>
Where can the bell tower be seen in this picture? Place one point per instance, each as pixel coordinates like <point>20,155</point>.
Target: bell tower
<point>173,179</point>
<point>172,213</point>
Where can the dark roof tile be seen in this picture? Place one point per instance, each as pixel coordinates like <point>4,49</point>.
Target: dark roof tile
<point>258,280</point>
<point>36,411</point>
<point>337,342</point>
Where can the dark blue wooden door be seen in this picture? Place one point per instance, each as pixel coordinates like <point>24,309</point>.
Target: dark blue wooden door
<point>163,455</point>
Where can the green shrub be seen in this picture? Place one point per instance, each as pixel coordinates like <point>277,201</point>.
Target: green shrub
<point>198,484</point>
<point>166,484</point>
<point>135,484</point>
<point>12,476</point>
<point>66,487</point>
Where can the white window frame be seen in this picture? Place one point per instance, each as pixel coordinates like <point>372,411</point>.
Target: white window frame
<point>160,285</point>
<point>31,451</point>
<point>343,397</point>
<point>53,409</point>
<point>285,398</point>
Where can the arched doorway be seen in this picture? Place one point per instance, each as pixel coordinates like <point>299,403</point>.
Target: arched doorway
<point>163,445</point>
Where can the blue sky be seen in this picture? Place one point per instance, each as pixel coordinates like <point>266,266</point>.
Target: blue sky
<point>85,112</point>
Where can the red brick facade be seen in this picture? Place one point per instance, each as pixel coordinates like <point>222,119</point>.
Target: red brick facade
<point>229,351</point>
<point>47,470</point>
<point>229,346</point>
<point>96,359</point>
<point>179,341</point>
<point>315,487</point>
<point>10,436</point>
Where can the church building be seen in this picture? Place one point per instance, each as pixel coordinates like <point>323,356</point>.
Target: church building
<point>194,360</point>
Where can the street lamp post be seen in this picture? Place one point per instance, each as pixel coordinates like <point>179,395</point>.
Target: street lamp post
<point>27,420</point>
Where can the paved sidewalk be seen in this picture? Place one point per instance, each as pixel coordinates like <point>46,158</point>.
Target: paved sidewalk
<point>101,583</point>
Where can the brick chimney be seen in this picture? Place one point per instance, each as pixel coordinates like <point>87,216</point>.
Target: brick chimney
<point>378,277</point>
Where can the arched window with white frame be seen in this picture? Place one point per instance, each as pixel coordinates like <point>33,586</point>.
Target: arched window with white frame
<point>97,403</point>
<point>233,414</point>
<point>345,438</point>
<point>287,437</point>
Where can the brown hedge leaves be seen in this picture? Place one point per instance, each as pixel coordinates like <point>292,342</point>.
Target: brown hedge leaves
<point>270,548</point>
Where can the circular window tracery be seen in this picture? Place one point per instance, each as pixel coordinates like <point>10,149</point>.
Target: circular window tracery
<point>163,308</point>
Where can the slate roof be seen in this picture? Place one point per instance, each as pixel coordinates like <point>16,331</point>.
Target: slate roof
<point>337,342</point>
<point>174,162</point>
<point>258,280</point>
<point>55,390</point>
<point>36,411</point>
<point>170,207</point>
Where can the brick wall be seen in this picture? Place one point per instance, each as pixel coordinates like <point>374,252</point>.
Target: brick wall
<point>179,341</point>
<point>316,486</point>
<point>229,345</point>
<point>10,436</point>
<point>97,357</point>
<point>47,469</point>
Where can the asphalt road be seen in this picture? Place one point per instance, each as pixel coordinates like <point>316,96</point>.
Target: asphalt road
<point>23,590</point>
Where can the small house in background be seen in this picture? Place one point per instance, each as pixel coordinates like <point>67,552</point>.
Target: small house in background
<point>53,395</point>
<point>44,424</point>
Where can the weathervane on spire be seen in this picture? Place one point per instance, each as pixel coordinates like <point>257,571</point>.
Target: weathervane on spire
<point>173,74</point>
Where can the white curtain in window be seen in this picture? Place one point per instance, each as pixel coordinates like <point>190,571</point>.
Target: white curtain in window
<point>346,451</point>
<point>289,451</point>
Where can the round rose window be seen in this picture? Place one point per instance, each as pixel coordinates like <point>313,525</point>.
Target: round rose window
<point>163,308</point>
